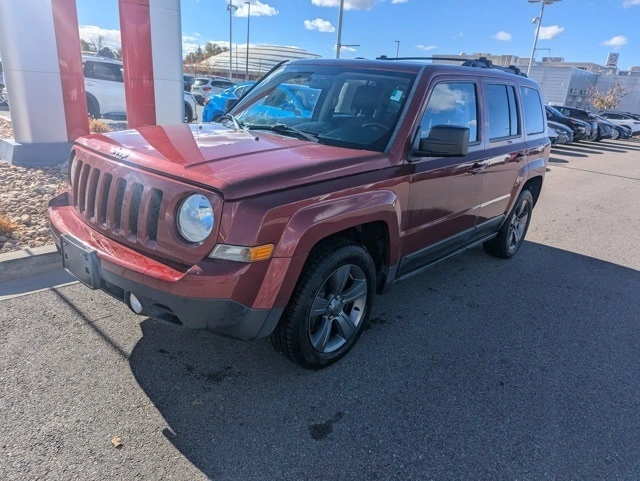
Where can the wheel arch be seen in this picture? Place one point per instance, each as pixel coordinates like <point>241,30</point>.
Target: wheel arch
<point>371,219</point>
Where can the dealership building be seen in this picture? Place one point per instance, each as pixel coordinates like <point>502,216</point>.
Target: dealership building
<point>568,83</point>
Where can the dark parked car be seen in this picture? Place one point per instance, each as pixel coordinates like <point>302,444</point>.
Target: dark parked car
<point>563,134</point>
<point>603,130</point>
<point>581,130</point>
<point>188,81</point>
<point>288,227</point>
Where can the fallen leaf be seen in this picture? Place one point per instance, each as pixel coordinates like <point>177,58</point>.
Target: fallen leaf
<point>198,401</point>
<point>117,442</point>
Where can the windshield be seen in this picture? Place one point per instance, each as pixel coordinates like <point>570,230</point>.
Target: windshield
<point>355,108</point>
<point>554,111</point>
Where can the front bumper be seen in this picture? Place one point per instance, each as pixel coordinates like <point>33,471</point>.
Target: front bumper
<point>178,298</point>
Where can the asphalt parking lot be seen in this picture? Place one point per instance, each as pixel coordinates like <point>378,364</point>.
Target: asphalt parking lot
<point>527,369</point>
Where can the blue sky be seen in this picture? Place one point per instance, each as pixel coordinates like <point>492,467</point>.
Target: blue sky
<point>577,30</point>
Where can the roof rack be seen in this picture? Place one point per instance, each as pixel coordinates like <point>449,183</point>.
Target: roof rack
<point>480,62</point>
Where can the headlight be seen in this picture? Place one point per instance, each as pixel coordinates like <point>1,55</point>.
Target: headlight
<point>195,218</point>
<point>72,168</point>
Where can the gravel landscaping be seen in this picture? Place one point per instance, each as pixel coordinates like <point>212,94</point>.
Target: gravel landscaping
<point>24,197</point>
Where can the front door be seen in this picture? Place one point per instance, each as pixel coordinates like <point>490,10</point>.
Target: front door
<point>445,192</point>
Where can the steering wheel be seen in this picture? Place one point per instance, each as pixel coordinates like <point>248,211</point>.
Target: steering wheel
<point>375,126</point>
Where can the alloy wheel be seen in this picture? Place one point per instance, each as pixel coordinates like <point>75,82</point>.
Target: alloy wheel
<point>338,309</point>
<point>518,225</point>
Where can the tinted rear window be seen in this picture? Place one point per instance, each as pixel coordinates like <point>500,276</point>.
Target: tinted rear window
<point>532,107</point>
<point>200,81</point>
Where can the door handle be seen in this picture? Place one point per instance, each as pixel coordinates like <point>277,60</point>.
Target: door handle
<point>517,157</point>
<point>477,167</point>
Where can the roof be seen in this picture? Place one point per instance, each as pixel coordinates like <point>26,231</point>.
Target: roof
<point>261,58</point>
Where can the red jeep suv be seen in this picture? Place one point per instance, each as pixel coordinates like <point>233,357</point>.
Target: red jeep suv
<point>286,218</point>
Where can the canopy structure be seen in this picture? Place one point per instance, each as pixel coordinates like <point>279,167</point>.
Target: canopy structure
<point>261,59</point>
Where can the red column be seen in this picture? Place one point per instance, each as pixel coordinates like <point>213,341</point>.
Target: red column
<point>65,24</point>
<point>137,59</point>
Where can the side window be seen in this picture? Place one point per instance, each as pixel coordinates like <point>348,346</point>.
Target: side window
<point>532,107</point>
<point>502,111</point>
<point>88,70</point>
<point>103,71</point>
<point>452,104</point>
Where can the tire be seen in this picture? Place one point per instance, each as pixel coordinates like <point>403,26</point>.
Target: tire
<point>594,137</point>
<point>512,233</point>
<point>188,113</point>
<point>615,135</point>
<point>334,268</point>
<point>93,107</point>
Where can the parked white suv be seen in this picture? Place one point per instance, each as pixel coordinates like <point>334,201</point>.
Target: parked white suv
<point>203,87</point>
<point>104,83</point>
<point>621,118</point>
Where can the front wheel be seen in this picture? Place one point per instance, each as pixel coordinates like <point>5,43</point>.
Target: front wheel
<point>329,306</point>
<point>512,233</point>
<point>615,135</point>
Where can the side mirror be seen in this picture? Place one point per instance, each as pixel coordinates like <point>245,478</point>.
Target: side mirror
<point>228,105</point>
<point>444,141</point>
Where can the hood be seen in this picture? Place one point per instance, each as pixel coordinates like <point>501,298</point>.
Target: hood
<point>559,126</point>
<point>235,163</point>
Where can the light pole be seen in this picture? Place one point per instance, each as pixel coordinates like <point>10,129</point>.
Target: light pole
<point>339,44</point>
<point>539,20</point>
<point>232,8</point>
<point>246,72</point>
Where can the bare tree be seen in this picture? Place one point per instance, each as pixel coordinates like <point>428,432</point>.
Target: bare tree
<point>607,100</point>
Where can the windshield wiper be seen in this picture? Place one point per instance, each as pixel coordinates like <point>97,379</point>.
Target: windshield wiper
<point>237,125</point>
<point>285,129</point>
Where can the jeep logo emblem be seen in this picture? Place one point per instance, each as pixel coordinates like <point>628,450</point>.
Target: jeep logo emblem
<point>120,153</point>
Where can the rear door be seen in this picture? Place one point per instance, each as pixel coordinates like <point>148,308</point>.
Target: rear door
<point>105,81</point>
<point>506,152</point>
<point>445,192</point>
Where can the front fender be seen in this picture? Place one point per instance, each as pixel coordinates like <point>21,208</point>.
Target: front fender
<point>310,225</point>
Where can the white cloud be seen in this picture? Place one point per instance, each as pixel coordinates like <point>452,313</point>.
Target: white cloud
<point>320,25</point>
<point>426,47</point>
<point>258,9</point>
<point>630,3</point>
<point>91,33</point>
<point>616,42</point>
<point>502,36</point>
<point>348,4</point>
<point>345,49</point>
<point>399,1</point>
<point>550,32</point>
<point>458,35</point>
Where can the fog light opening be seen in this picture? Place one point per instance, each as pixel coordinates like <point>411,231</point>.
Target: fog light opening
<point>135,304</point>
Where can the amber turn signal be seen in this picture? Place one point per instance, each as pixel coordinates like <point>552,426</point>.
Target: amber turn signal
<point>241,253</point>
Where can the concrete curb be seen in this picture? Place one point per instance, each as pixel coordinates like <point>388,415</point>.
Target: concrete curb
<point>25,262</point>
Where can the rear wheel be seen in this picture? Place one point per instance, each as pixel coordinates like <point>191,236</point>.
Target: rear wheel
<point>188,113</point>
<point>93,107</point>
<point>615,135</point>
<point>512,233</point>
<point>329,306</point>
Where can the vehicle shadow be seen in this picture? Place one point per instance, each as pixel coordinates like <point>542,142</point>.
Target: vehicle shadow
<point>478,369</point>
<point>568,153</point>
<point>555,160</point>
<point>574,148</point>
